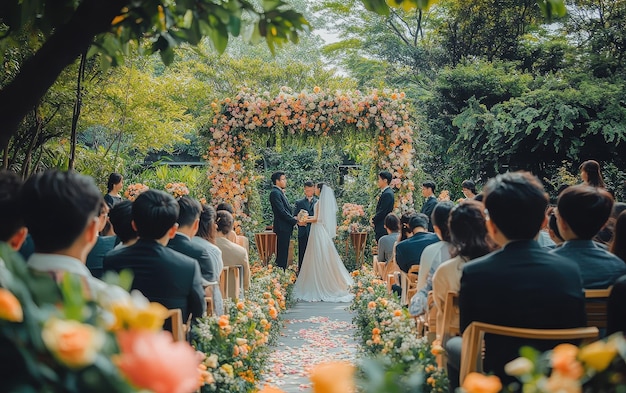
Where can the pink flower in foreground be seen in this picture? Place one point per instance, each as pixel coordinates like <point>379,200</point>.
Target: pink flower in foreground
<point>154,361</point>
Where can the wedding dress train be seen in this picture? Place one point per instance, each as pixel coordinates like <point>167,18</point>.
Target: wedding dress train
<point>323,276</point>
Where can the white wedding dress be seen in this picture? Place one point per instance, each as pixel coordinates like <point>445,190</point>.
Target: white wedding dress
<point>323,276</point>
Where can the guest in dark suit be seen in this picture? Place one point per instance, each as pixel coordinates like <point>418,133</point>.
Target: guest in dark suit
<point>428,192</point>
<point>103,245</point>
<point>616,308</point>
<point>384,205</point>
<point>121,218</point>
<point>188,221</point>
<point>520,285</point>
<point>284,221</point>
<point>160,273</point>
<point>409,251</point>
<point>581,212</point>
<point>305,203</point>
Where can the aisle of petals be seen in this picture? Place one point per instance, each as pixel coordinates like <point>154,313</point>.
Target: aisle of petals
<point>326,339</point>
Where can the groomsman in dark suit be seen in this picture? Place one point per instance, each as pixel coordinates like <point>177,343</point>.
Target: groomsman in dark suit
<point>307,204</point>
<point>284,221</point>
<point>384,205</point>
<point>160,273</point>
<point>428,192</point>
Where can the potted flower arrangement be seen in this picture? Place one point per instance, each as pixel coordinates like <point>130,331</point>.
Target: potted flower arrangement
<point>54,338</point>
<point>177,189</point>
<point>133,191</point>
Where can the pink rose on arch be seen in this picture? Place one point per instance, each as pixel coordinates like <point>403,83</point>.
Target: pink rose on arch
<point>395,183</point>
<point>152,360</point>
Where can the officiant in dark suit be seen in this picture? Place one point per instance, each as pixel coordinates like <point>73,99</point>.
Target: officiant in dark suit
<point>384,205</point>
<point>284,221</point>
<point>306,204</point>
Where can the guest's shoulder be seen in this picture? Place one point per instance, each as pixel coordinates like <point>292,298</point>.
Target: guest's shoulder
<point>177,257</point>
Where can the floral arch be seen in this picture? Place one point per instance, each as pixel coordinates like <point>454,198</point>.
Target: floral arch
<point>381,116</point>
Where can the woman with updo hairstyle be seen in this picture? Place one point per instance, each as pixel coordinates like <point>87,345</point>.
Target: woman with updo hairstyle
<point>232,254</point>
<point>205,237</point>
<point>590,173</point>
<point>470,240</point>
<point>114,186</point>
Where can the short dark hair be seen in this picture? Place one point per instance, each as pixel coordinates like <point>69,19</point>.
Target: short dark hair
<point>207,218</point>
<point>470,185</point>
<point>585,209</point>
<point>516,203</point>
<point>385,175</point>
<point>276,176</point>
<point>225,206</point>
<point>440,216</point>
<point>618,208</point>
<point>57,207</point>
<point>418,220</point>
<point>121,217</point>
<point>225,221</point>
<point>114,178</point>
<point>468,232</point>
<point>10,215</point>
<point>392,222</point>
<point>189,211</point>
<point>553,226</point>
<point>154,213</point>
<point>309,183</point>
<point>429,184</point>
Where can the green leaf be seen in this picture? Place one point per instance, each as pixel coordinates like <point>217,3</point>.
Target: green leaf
<point>378,6</point>
<point>167,55</point>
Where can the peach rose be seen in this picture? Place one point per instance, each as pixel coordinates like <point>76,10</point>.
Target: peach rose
<point>562,384</point>
<point>479,383</point>
<point>152,360</point>
<point>333,377</point>
<point>564,361</point>
<point>270,389</point>
<point>10,307</point>
<point>71,342</point>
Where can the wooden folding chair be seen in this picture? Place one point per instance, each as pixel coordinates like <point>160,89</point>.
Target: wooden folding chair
<point>266,245</point>
<point>596,306</point>
<point>412,276</point>
<point>178,329</point>
<point>230,282</point>
<point>450,322</point>
<point>471,359</point>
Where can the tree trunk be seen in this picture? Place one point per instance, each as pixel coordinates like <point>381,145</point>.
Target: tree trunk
<point>76,113</point>
<point>38,73</point>
<point>31,146</point>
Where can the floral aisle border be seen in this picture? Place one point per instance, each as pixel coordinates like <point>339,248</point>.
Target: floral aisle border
<point>383,116</point>
<point>388,333</point>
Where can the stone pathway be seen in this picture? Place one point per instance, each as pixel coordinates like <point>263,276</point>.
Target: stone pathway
<point>313,333</point>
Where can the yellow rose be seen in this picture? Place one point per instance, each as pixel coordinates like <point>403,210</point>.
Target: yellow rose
<point>72,343</point>
<point>10,307</point>
<point>211,361</point>
<point>519,367</point>
<point>228,369</point>
<point>598,355</point>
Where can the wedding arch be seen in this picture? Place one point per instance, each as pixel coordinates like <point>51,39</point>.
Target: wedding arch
<point>381,117</point>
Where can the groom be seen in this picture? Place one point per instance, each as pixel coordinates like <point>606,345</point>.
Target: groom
<point>305,203</point>
<point>283,219</point>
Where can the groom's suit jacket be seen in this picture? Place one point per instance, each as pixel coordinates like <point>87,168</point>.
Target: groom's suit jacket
<point>283,219</point>
<point>383,207</point>
<point>304,204</point>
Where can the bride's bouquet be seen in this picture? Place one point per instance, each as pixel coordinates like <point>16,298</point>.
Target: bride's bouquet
<point>302,215</point>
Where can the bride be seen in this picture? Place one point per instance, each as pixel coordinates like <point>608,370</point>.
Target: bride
<point>323,276</point>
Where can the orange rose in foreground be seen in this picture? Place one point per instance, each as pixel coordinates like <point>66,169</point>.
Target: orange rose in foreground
<point>564,361</point>
<point>10,307</point>
<point>71,342</point>
<point>333,377</point>
<point>479,383</point>
<point>270,389</point>
<point>152,360</point>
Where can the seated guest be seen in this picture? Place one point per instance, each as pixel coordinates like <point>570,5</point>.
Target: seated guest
<point>520,285</point>
<point>618,244</point>
<point>103,245</point>
<point>386,243</point>
<point>232,254</point>
<point>121,218</point>
<point>205,238</point>
<point>188,221</point>
<point>581,212</point>
<point>232,236</point>
<point>553,229</point>
<point>433,256</point>
<point>606,233</point>
<point>409,251</point>
<point>470,240</point>
<point>160,273</point>
<point>616,307</point>
<point>12,229</point>
<point>61,211</point>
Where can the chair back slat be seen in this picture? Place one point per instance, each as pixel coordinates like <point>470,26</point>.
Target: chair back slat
<point>596,306</point>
